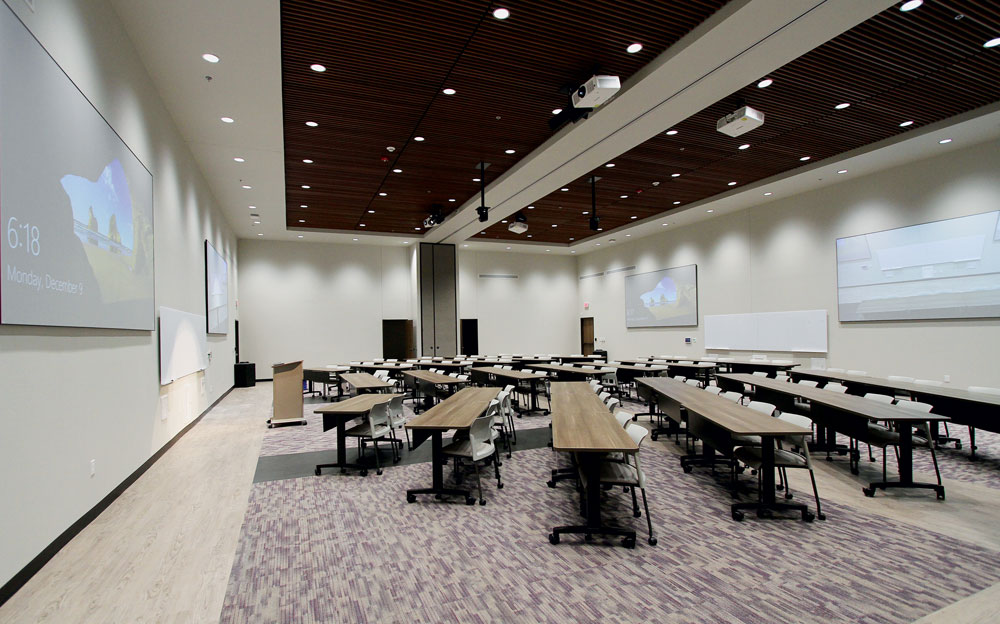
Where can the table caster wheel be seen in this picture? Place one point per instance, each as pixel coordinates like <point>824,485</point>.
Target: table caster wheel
<point>869,492</point>
<point>588,537</point>
<point>628,542</point>
<point>652,541</point>
<point>470,500</point>
<point>686,468</point>
<point>553,538</point>
<point>379,471</point>
<point>551,484</point>
<point>652,436</point>
<point>940,495</point>
<point>364,472</point>
<point>318,472</point>
<point>958,444</point>
<point>764,513</point>
<point>499,486</point>
<point>270,426</point>
<point>808,516</point>
<point>821,516</point>
<point>738,515</point>
<point>411,498</point>
<point>636,514</point>
<point>482,501</point>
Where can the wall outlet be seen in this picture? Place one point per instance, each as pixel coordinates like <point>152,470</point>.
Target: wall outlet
<point>947,378</point>
<point>93,467</point>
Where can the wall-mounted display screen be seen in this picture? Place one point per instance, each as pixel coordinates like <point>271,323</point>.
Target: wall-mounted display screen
<point>665,298</point>
<point>216,290</point>
<point>76,205</point>
<point>940,270</point>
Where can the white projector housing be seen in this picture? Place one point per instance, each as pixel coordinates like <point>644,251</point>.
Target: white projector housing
<point>740,122</point>
<point>518,227</point>
<point>596,91</point>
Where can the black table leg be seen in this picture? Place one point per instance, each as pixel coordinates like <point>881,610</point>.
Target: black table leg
<point>342,452</point>
<point>437,475</point>
<point>905,430</point>
<point>590,466</point>
<point>766,504</point>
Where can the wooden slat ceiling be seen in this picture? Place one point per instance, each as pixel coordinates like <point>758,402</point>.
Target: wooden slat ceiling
<point>387,63</point>
<point>922,66</point>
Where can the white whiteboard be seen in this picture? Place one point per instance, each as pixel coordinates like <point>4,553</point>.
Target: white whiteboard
<point>802,330</point>
<point>183,344</point>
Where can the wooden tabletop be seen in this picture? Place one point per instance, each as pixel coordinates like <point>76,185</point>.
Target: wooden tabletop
<point>640,369</point>
<point>908,386</point>
<point>364,381</point>
<point>560,368</point>
<point>849,403</point>
<point>434,378</point>
<point>329,368</point>
<point>458,411</point>
<point>581,423</point>
<point>698,365</point>
<point>509,374</point>
<point>361,404</point>
<point>385,366</point>
<point>449,364</point>
<point>762,363</point>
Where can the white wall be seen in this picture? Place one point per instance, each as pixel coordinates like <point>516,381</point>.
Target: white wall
<point>781,256</point>
<point>530,314</point>
<point>70,396</point>
<point>317,302</point>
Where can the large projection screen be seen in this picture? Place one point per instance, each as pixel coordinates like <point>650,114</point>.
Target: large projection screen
<point>216,291</point>
<point>76,205</point>
<point>941,270</point>
<point>665,298</point>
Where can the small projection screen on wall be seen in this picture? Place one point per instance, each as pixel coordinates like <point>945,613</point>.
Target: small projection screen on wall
<point>940,270</point>
<point>665,298</point>
<point>76,205</point>
<point>216,291</point>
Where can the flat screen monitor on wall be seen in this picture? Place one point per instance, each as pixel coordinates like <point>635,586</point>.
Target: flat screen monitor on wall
<point>216,291</point>
<point>76,205</point>
<point>665,298</point>
<point>941,270</point>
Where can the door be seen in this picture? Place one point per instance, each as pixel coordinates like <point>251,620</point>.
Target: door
<point>587,335</point>
<point>396,337</point>
<point>470,336</point>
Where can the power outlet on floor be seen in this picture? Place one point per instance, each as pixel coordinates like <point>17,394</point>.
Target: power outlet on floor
<point>93,467</point>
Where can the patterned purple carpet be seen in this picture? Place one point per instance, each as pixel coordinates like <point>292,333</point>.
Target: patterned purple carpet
<point>350,549</point>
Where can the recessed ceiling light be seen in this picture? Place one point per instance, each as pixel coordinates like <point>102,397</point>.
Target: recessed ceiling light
<point>628,235</point>
<point>910,5</point>
<point>805,158</point>
<point>509,151</point>
<point>501,13</point>
<point>259,234</point>
<point>406,242</point>
<point>768,194</point>
<point>382,194</point>
<point>529,235</point>
<point>531,207</point>
<point>451,199</point>
<point>316,67</point>
<point>906,123</point>
<point>300,236</point>
<point>671,132</point>
<point>675,175</point>
<point>300,206</point>
<point>664,224</point>
<point>464,245</point>
<point>600,229</point>
<point>992,43</point>
<point>842,171</point>
<point>361,225</point>
<point>307,161</point>
<point>598,244</point>
<point>634,217</point>
<point>709,210</point>
<point>765,83</point>
<point>371,212</point>
<point>943,141</point>
<point>306,186</point>
<point>397,171</point>
<point>554,225</point>
<point>255,207</point>
<point>586,212</point>
<point>238,159</point>
<point>256,222</point>
<point>227,119</point>
<point>572,239</point>
<point>744,146</point>
<point>556,111</point>
<point>564,189</point>
<point>311,124</point>
<point>842,105</point>
<point>302,220</point>
<point>676,203</point>
<point>448,91</point>
<point>417,228</point>
<point>418,138</point>
<point>247,186</point>
<point>504,221</point>
<point>508,247</point>
<point>731,184</point>
<point>211,58</point>
<point>475,179</point>
<point>482,232</point>
<point>354,239</point>
<point>633,48</point>
<point>610,165</point>
<point>548,250</point>
<point>623,197</point>
<point>572,251</point>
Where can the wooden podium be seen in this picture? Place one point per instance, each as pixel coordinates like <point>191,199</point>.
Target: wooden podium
<point>287,403</point>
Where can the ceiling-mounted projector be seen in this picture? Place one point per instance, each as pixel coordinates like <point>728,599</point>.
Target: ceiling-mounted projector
<point>596,91</point>
<point>741,121</point>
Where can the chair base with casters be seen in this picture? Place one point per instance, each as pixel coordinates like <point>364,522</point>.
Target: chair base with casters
<point>903,437</point>
<point>783,459</point>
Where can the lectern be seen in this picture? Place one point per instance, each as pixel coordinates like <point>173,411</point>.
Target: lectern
<point>287,402</point>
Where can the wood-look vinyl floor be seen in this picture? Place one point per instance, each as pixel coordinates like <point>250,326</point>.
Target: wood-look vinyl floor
<point>163,551</point>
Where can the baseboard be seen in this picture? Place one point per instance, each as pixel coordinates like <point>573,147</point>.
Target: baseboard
<point>21,578</point>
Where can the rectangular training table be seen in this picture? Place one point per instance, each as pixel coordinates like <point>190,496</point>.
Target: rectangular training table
<point>338,415</point>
